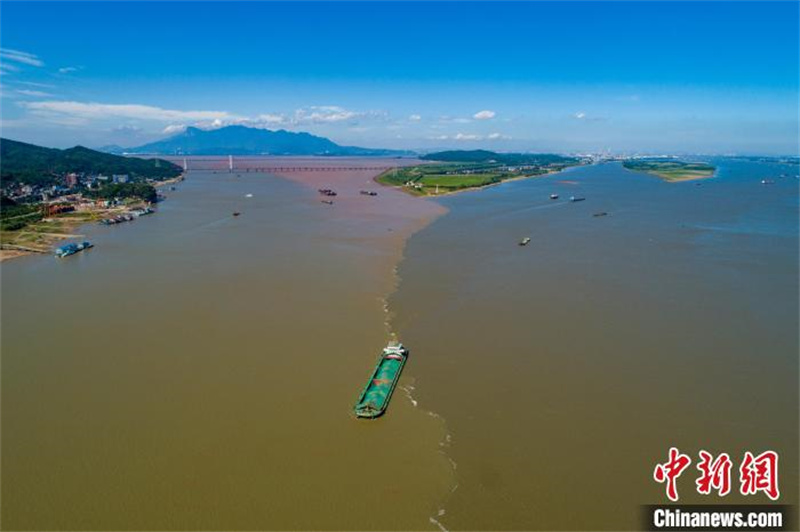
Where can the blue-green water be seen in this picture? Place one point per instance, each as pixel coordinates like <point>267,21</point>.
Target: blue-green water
<point>566,369</point>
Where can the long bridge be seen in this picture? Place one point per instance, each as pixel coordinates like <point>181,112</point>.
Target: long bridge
<point>254,164</point>
<point>275,169</point>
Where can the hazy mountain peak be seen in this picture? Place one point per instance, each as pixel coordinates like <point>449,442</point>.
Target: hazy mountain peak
<point>243,140</point>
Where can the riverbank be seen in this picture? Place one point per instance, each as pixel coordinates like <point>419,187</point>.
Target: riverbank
<point>172,181</point>
<point>43,235</point>
<point>442,190</point>
<point>671,171</point>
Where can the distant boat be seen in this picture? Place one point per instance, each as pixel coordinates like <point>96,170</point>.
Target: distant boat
<point>576,198</point>
<point>525,241</point>
<point>248,195</point>
<point>237,213</point>
<point>327,202</point>
<point>553,196</point>
<point>767,182</point>
<point>70,249</point>
<point>599,214</point>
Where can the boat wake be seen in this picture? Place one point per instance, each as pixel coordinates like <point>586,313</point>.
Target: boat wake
<point>409,389</point>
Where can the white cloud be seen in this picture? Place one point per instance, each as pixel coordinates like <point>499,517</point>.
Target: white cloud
<point>415,118</point>
<point>326,114</point>
<point>484,115</point>
<point>93,110</point>
<point>24,58</point>
<point>588,118</point>
<point>35,94</point>
<point>173,128</point>
<point>173,120</point>
<point>323,113</point>
<point>127,129</point>
<point>67,70</point>
<point>35,84</point>
<point>470,137</point>
<point>272,119</point>
<point>454,120</point>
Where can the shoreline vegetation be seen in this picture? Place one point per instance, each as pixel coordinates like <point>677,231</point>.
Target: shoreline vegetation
<point>671,170</point>
<point>449,172</point>
<point>48,193</point>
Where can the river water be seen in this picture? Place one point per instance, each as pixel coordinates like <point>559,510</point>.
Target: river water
<point>197,370</point>
<point>567,368</point>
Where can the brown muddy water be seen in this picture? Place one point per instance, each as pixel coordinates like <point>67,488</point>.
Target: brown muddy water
<point>196,371</point>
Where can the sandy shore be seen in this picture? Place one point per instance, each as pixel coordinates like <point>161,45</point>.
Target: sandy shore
<point>7,254</point>
<point>172,181</point>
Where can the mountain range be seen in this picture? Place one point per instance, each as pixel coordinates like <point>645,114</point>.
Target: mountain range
<point>242,140</point>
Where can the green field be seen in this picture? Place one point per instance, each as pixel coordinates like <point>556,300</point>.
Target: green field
<point>671,170</point>
<point>454,170</point>
<point>432,179</point>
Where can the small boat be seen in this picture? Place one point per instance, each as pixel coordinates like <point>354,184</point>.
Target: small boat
<point>576,198</point>
<point>141,212</point>
<point>368,193</point>
<point>599,214</point>
<point>553,196</point>
<point>375,396</point>
<point>767,182</point>
<point>70,249</point>
<point>248,195</point>
<point>237,213</point>
<point>327,202</point>
<point>525,241</point>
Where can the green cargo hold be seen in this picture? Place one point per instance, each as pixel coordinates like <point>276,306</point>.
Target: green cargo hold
<point>375,397</point>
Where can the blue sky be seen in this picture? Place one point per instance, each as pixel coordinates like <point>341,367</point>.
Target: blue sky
<point>689,77</point>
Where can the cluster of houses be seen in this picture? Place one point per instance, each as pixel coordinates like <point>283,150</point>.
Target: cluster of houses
<point>71,183</point>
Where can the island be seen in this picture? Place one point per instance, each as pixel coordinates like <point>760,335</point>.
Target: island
<point>46,193</point>
<point>670,169</point>
<point>451,171</point>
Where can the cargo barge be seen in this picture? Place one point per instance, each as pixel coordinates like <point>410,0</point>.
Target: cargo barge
<point>127,217</point>
<point>70,249</point>
<point>375,397</point>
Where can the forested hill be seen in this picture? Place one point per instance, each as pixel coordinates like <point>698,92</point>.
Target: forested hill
<point>29,163</point>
